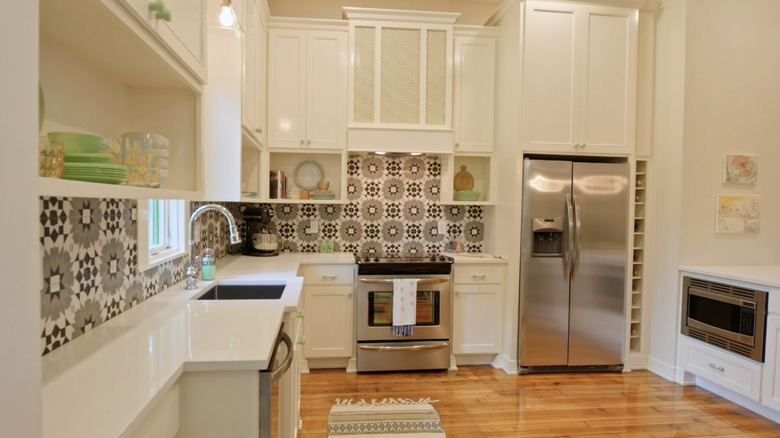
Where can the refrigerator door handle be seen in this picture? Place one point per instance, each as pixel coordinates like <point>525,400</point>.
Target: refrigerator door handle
<point>569,251</point>
<point>577,228</point>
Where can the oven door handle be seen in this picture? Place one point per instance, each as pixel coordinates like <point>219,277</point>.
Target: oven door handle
<point>404,348</point>
<point>390,281</point>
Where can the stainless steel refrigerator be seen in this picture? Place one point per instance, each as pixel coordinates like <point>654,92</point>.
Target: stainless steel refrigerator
<point>574,263</point>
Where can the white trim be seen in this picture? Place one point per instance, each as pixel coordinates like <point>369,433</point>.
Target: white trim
<point>180,245</point>
<point>351,13</point>
<point>663,369</point>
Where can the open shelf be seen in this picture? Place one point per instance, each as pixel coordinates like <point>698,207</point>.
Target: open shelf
<point>333,164</point>
<point>638,258</point>
<point>481,168</point>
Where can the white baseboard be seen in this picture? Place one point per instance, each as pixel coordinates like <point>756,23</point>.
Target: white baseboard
<point>503,363</point>
<point>663,369</point>
<point>636,363</point>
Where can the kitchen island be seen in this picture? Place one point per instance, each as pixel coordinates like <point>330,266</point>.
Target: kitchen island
<point>109,380</point>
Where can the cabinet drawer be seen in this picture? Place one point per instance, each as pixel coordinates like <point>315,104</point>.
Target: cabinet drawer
<point>479,274</point>
<point>328,274</point>
<point>731,372</point>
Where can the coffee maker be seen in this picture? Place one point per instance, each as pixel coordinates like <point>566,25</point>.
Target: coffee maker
<point>260,241</point>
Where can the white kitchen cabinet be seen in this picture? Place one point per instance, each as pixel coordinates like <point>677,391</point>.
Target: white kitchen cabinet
<point>101,71</point>
<point>180,25</point>
<point>477,321</point>
<point>329,302</point>
<point>400,80</point>
<point>579,78</point>
<point>474,93</point>
<point>253,96</point>
<point>307,85</point>
<point>770,393</point>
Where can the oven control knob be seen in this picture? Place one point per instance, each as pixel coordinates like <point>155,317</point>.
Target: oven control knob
<point>366,259</point>
<point>376,259</point>
<point>433,258</point>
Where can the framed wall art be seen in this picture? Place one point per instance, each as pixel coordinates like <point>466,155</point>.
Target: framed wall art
<point>740,169</point>
<point>738,214</point>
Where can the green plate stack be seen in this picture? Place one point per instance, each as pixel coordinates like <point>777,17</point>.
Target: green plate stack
<point>95,172</point>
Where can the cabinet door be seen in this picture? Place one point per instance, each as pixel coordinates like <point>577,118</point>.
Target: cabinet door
<point>477,319</point>
<point>328,322</point>
<point>579,79</point>
<point>250,96</point>
<point>286,88</point>
<point>608,95</point>
<point>475,83</point>
<point>326,90</point>
<point>182,28</point>
<point>550,119</point>
<point>770,394</point>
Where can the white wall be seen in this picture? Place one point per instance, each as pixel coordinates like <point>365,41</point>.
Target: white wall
<point>732,104</point>
<point>667,178</point>
<point>20,315</point>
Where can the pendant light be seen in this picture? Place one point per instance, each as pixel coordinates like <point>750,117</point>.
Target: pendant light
<point>228,19</point>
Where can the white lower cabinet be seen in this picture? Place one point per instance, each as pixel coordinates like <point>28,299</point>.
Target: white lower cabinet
<point>219,403</point>
<point>163,420</point>
<point>478,308</point>
<point>328,327</point>
<point>770,394</point>
<point>740,375</point>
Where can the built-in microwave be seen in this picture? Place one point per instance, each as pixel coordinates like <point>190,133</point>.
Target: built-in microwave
<point>726,316</point>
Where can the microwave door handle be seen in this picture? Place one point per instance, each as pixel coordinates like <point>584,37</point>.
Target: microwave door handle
<point>567,252</point>
<point>577,230</point>
<point>285,365</point>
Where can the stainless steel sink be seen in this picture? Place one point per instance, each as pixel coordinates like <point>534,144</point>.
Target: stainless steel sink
<point>244,292</point>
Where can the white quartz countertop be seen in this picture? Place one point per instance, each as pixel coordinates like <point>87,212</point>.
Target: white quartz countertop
<point>104,382</point>
<point>765,275</point>
<point>475,257</point>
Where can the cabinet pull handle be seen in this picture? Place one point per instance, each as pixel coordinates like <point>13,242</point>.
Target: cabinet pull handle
<point>308,141</point>
<point>457,145</point>
<point>301,142</point>
<point>478,275</point>
<point>328,276</point>
<point>259,130</point>
<point>457,292</point>
<point>302,340</point>
<point>156,6</point>
<point>716,367</point>
<point>300,314</point>
<point>349,295</point>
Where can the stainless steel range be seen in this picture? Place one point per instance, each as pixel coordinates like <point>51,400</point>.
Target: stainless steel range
<point>429,345</point>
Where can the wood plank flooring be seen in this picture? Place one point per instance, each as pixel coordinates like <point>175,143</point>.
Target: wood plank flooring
<point>479,401</point>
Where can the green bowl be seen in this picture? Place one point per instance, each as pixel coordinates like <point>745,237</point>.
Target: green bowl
<point>78,143</point>
<point>466,195</point>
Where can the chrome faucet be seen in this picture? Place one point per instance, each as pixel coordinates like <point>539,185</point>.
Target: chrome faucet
<point>194,262</point>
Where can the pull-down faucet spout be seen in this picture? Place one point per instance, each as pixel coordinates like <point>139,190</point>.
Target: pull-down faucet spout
<point>193,267</point>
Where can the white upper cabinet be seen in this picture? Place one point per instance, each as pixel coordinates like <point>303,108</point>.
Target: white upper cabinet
<point>178,24</point>
<point>253,97</point>
<point>580,75</point>
<point>307,87</point>
<point>474,94</point>
<point>400,80</point>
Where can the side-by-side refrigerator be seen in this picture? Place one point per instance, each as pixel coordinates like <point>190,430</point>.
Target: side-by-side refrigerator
<point>574,263</point>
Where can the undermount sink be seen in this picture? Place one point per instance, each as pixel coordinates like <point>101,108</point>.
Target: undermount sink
<point>244,292</point>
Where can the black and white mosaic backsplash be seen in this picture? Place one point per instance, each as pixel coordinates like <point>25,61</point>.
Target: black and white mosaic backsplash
<point>393,208</point>
<point>90,246</point>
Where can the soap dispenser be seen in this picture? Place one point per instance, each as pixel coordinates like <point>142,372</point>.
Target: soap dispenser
<point>208,265</point>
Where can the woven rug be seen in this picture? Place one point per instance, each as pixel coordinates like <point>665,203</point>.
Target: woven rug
<point>389,417</point>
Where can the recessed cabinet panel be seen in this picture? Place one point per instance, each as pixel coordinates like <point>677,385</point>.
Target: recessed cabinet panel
<point>549,99</point>
<point>287,67</point>
<point>328,323</point>
<point>474,93</point>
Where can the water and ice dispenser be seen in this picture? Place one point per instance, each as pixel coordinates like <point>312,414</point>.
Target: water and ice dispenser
<point>548,237</point>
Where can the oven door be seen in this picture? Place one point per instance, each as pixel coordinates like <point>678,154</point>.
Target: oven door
<point>375,305</point>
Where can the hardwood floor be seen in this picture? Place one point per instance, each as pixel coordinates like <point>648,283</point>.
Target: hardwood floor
<point>479,401</point>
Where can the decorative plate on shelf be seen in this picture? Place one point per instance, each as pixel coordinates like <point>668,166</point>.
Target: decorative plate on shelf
<point>308,174</point>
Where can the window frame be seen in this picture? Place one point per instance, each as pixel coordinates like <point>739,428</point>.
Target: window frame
<point>177,211</point>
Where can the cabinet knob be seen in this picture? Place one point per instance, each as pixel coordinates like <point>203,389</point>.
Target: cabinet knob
<point>457,292</point>
<point>716,367</point>
<point>300,314</point>
<point>301,142</point>
<point>160,11</point>
<point>457,144</point>
<point>308,142</point>
<point>349,295</point>
<point>259,130</point>
<point>302,340</point>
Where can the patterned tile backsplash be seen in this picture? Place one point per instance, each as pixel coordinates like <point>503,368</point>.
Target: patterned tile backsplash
<point>90,247</point>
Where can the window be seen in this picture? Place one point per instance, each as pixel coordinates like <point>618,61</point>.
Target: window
<point>161,231</point>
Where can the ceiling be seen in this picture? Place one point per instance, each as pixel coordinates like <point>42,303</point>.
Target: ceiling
<point>472,11</point>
